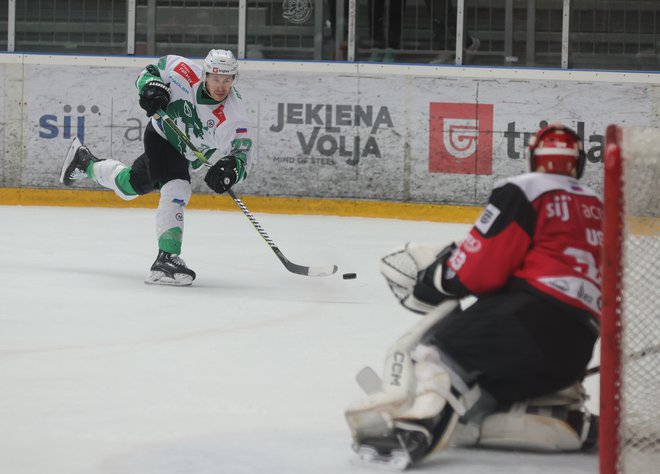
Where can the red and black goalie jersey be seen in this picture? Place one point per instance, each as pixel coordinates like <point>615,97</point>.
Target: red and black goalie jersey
<point>543,229</point>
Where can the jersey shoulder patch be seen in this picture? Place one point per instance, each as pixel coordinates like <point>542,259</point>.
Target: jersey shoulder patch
<point>187,70</point>
<point>487,217</point>
<point>534,185</point>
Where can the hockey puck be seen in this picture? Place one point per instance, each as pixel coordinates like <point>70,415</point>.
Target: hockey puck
<point>349,276</point>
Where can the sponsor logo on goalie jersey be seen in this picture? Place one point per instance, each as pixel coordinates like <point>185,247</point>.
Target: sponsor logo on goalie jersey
<point>457,260</point>
<point>594,237</point>
<point>487,218</point>
<point>471,244</point>
<point>576,288</point>
<point>592,212</point>
<point>558,208</point>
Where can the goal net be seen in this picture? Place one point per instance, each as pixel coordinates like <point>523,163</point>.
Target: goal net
<point>630,332</point>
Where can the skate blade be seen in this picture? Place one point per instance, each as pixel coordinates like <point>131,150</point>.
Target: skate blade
<point>398,459</point>
<point>159,278</point>
<point>75,144</point>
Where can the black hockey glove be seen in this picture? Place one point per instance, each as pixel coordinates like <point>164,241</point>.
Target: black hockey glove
<point>222,175</point>
<point>155,95</point>
<point>425,289</point>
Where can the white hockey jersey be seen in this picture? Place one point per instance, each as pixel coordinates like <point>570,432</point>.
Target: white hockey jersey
<point>217,129</point>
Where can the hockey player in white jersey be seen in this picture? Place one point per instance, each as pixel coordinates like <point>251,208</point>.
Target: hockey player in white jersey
<point>204,103</point>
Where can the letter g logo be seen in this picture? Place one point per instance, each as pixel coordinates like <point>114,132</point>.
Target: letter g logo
<point>461,136</point>
<point>459,142</point>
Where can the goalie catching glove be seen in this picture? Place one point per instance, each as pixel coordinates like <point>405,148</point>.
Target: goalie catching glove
<point>222,175</point>
<point>414,274</point>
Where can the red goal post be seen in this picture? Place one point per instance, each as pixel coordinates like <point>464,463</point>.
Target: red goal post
<point>630,329</point>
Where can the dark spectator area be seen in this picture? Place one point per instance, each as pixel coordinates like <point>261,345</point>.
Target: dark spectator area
<point>591,34</point>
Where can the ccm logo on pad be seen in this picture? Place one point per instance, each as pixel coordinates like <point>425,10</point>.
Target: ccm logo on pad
<point>461,138</point>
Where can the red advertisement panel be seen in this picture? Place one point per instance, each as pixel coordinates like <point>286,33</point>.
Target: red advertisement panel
<point>461,138</point>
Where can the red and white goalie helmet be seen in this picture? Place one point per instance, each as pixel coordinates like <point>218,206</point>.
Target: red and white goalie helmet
<point>557,149</point>
<point>220,61</point>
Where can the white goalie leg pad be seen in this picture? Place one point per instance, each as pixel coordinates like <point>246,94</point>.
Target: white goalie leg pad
<point>517,429</point>
<point>400,268</point>
<point>105,173</point>
<point>399,385</point>
<point>557,422</point>
<point>174,197</point>
<point>421,396</point>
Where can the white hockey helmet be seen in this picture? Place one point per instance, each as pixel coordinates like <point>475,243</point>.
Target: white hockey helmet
<point>220,61</point>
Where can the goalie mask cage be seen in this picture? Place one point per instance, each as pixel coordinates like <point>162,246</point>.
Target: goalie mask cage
<point>630,330</point>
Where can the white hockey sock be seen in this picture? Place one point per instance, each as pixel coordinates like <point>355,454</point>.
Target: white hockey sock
<point>105,173</point>
<point>174,196</point>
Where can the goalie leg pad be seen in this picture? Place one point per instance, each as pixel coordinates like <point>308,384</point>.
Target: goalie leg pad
<point>415,413</point>
<point>557,422</point>
<point>521,430</point>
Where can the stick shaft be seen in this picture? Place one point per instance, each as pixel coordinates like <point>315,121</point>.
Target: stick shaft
<point>630,357</point>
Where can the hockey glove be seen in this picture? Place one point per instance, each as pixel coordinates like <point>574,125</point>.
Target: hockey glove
<point>409,274</point>
<point>428,288</point>
<point>222,175</point>
<point>155,95</point>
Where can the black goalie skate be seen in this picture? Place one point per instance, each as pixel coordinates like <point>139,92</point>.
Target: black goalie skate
<point>170,269</point>
<point>76,162</point>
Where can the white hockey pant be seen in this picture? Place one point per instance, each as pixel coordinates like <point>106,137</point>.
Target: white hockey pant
<point>106,172</point>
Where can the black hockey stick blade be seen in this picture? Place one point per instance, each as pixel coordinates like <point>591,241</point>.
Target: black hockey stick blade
<point>303,270</point>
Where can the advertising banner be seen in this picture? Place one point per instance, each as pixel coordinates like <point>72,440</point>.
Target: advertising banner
<point>97,104</point>
<point>400,137</point>
<point>3,122</point>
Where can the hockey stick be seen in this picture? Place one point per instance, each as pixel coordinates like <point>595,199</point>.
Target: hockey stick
<point>631,357</point>
<point>292,267</point>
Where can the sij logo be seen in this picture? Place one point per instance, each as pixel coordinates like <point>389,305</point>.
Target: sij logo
<point>50,124</point>
<point>461,138</point>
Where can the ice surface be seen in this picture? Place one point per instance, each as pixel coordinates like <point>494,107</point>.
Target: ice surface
<point>247,371</point>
